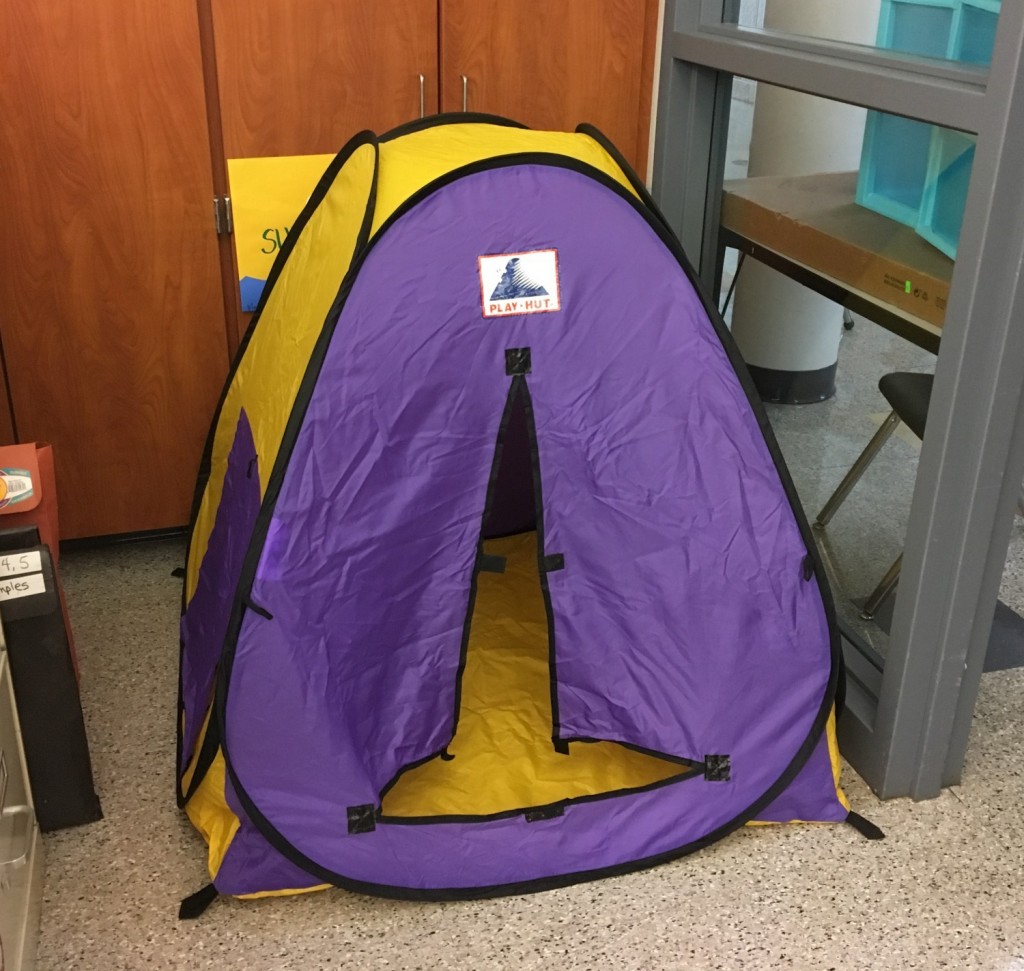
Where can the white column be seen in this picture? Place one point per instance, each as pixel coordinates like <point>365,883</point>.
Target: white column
<point>778,324</point>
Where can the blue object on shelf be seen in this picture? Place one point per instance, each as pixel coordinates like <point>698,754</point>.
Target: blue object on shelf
<point>893,182</point>
<point>949,174</point>
<point>916,27</point>
<point>978,34</point>
<point>250,290</point>
<point>911,171</point>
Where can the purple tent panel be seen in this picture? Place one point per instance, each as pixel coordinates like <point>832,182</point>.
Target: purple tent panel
<point>251,864</point>
<point>204,625</point>
<point>811,795</point>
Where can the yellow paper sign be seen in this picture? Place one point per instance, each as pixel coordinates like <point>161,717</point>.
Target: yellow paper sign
<point>267,195</point>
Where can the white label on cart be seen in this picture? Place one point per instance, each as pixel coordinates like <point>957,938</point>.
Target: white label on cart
<point>22,587</point>
<point>15,564</point>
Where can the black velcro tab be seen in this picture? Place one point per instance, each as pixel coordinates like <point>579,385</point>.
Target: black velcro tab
<point>865,827</point>
<point>491,564</point>
<point>517,361</point>
<point>362,819</point>
<point>544,812</point>
<point>561,747</point>
<point>717,768</point>
<point>194,906</point>
<point>257,609</point>
<point>178,572</point>
<point>808,567</point>
<point>554,562</point>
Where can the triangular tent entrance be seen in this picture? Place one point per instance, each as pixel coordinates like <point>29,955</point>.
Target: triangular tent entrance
<point>497,580</point>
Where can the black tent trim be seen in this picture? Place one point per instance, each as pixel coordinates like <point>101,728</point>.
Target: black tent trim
<point>524,810</point>
<point>449,118</point>
<point>499,451</point>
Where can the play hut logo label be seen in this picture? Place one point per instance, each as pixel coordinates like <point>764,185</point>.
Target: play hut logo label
<point>520,283</point>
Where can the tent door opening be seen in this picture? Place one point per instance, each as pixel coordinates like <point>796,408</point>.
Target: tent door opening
<point>502,758</point>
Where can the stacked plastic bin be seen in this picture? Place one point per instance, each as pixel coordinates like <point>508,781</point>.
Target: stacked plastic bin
<point>911,171</point>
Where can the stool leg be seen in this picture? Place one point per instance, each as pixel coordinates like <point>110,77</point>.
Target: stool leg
<point>859,467</point>
<point>884,588</point>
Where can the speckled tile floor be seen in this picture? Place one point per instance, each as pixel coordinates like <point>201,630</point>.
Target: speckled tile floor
<point>943,890</point>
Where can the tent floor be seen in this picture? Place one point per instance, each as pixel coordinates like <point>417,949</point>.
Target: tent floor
<point>504,759</point>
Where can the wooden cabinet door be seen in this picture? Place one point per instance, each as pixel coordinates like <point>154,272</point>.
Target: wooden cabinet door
<point>552,65</point>
<point>301,77</point>
<point>111,311</point>
<point>7,436</point>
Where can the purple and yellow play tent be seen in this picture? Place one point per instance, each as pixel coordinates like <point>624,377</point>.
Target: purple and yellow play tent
<point>497,581</point>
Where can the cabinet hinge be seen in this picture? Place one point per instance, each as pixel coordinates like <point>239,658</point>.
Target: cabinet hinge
<point>223,218</point>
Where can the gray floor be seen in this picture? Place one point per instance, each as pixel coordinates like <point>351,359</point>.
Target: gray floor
<point>943,890</point>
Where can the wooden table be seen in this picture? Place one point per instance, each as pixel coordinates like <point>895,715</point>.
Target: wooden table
<point>810,229</point>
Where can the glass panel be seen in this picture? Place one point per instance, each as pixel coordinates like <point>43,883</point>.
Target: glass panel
<point>916,28</point>
<point>978,34</point>
<point>956,30</point>
<point>1006,642</point>
<point>865,206</point>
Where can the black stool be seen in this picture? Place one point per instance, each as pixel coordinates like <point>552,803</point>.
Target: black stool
<point>909,394</point>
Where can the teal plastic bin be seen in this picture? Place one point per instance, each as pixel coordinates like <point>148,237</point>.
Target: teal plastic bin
<point>911,171</point>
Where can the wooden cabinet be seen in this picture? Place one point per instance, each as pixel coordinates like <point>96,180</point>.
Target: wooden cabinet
<point>293,77</point>
<point>300,78</point>
<point>118,302</point>
<point>554,65</point>
<point>111,310</point>
<point>7,434</point>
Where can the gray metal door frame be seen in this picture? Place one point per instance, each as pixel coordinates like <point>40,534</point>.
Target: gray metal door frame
<point>906,726</point>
